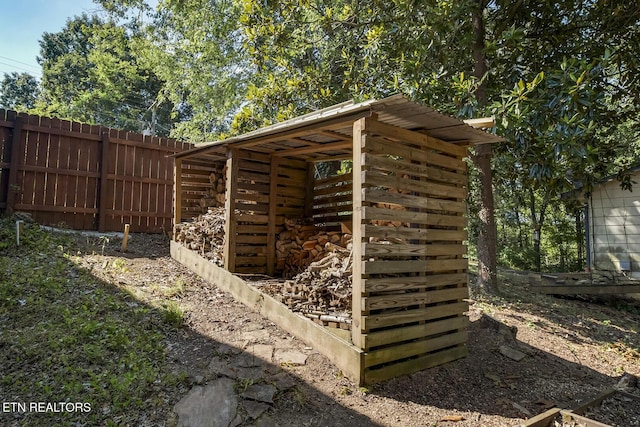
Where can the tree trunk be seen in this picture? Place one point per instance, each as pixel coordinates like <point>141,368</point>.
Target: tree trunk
<point>487,265</point>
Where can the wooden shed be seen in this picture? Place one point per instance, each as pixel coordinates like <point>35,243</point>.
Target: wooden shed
<point>404,201</point>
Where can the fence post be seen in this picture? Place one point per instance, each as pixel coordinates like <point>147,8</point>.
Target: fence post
<point>13,166</point>
<point>104,175</point>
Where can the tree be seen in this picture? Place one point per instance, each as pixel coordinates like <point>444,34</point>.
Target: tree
<point>91,74</point>
<point>18,91</point>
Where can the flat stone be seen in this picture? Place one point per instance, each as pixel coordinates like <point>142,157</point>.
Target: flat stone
<point>282,381</point>
<point>254,409</point>
<point>226,349</point>
<point>263,351</point>
<point>260,335</point>
<point>260,392</point>
<point>213,405</point>
<point>290,356</point>
<point>248,360</point>
<point>512,353</point>
<point>221,367</point>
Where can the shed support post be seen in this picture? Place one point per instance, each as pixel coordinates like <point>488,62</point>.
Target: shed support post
<point>177,194</point>
<point>357,291</point>
<point>230,211</point>
<point>308,197</point>
<point>271,226</point>
<point>13,167</point>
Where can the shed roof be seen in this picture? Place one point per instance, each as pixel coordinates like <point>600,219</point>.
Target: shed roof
<point>327,133</point>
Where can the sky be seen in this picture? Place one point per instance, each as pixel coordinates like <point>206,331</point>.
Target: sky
<point>22,23</point>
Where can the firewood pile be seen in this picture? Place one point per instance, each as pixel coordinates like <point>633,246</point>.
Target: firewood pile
<point>302,243</point>
<point>215,195</point>
<point>204,235</point>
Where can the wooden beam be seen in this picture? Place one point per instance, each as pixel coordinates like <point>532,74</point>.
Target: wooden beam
<point>359,138</point>
<point>177,193</point>
<point>336,135</point>
<point>104,179</point>
<point>230,221</point>
<point>13,168</point>
<point>340,145</point>
<point>271,226</point>
<point>481,123</point>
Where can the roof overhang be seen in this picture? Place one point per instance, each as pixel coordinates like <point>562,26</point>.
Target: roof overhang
<point>326,133</point>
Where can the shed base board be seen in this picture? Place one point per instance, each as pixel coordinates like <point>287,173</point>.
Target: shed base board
<point>342,353</point>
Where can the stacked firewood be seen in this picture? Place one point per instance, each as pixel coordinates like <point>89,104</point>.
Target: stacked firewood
<point>204,235</point>
<point>215,195</point>
<point>323,290</point>
<point>302,243</point>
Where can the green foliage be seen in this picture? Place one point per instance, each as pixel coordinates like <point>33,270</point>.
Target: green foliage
<point>18,91</point>
<point>92,74</point>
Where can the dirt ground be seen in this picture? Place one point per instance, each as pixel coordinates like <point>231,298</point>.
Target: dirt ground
<point>575,348</point>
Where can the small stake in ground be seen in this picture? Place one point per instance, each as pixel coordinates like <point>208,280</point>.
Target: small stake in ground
<point>125,239</point>
<point>19,230</point>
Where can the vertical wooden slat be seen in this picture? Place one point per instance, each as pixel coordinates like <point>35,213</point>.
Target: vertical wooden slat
<point>177,194</point>
<point>357,291</point>
<point>14,163</point>
<point>230,202</point>
<point>271,226</point>
<point>104,172</point>
<point>308,201</point>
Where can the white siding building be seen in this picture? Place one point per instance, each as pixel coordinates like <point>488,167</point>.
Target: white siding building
<point>613,227</point>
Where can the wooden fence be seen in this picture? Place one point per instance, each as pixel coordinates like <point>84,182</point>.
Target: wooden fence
<point>86,177</point>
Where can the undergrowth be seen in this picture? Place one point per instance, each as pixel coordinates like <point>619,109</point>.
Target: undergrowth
<point>68,337</point>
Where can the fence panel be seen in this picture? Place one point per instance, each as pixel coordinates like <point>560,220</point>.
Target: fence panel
<point>86,177</point>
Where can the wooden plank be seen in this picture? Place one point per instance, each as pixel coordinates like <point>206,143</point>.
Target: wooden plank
<point>251,239</point>
<point>382,147</point>
<point>104,173</point>
<point>406,135</point>
<point>586,289</point>
<point>414,332</point>
<point>251,260</point>
<point>542,420</point>
<point>230,238</point>
<point>338,187</point>
<point>345,355</point>
<point>357,309</point>
<point>251,250</point>
<point>414,298</point>
<point>400,167</point>
<point>404,351</point>
<point>372,376</point>
<point>309,193</point>
<point>16,139</point>
<point>330,181</point>
<point>420,234</point>
<point>252,229</point>
<point>416,266</point>
<point>332,200</point>
<point>388,284</point>
<point>60,132</point>
<point>55,208</point>
<point>388,319</point>
<point>371,213</point>
<point>411,201</point>
<point>332,146</point>
<point>271,227</point>
<point>400,183</point>
<point>394,250</point>
<point>177,193</point>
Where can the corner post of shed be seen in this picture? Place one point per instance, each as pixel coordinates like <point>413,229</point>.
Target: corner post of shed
<point>230,210</point>
<point>177,193</point>
<point>273,206</point>
<point>357,281</point>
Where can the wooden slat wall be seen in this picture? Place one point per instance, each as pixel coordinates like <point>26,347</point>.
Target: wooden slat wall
<point>251,205</point>
<point>412,268</point>
<point>333,200</point>
<point>195,184</point>
<point>60,168</point>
